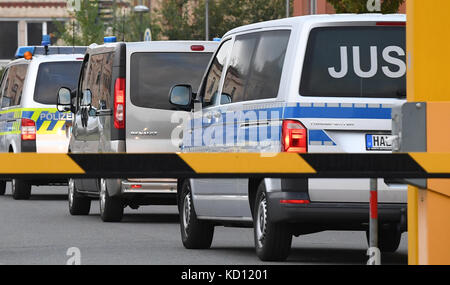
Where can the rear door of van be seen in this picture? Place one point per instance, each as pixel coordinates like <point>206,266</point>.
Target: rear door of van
<point>352,76</point>
<point>151,72</point>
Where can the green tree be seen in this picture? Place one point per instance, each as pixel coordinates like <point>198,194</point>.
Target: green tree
<point>360,6</point>
<point>85,28</point>
<point>183,19</point>
<point>174,18</point>
<point>130,27</point>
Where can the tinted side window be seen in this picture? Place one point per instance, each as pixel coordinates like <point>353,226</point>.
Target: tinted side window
<point>3,83</point>
<point>94,78</point>
<point>267,65</point>
<point>239,69</point>
<point>105,81</point>
<point>82,85</point>
<point>215,73</point>
<point>256,66</point>
<point>14,85</point>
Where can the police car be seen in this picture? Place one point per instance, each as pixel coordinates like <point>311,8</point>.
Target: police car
<point>29,120</point>
<point>316,84</point>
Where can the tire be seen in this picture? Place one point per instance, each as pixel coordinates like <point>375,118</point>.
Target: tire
<point>78,204</point>
<point>21,189</point>
<point>2,188</point>
<point>195,233</point>
<point>111,208</point>
<point>272,240</point>
<point>388,239</point>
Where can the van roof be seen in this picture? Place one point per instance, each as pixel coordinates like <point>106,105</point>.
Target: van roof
<point>160,44</point>
<point>317,19</point>
<point>48,58</point>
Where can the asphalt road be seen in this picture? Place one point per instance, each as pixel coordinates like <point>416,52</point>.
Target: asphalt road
<point>40,231</point>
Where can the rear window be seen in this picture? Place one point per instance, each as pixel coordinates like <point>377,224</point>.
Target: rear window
<point>53,75</point>
<point>355,62</point>
<point>153,74</point>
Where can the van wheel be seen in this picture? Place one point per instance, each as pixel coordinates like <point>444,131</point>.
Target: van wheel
<point>388,239</point>
<point>2,188</point>
<point>21,189</point>
<point>272,240</point>
<point>195,233</point>
<point>78,204</point>
<point>111,208</point>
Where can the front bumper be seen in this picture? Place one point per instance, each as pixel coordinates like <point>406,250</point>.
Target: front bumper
<point>330,215</point>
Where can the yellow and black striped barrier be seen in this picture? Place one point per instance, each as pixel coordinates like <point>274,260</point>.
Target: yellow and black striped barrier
<point>224,165</point>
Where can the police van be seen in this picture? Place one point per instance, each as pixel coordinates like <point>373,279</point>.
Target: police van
<point>313,84</point>
<point>29,120</point>
<point>121,106</point>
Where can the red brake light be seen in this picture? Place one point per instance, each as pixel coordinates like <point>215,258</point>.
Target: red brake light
<point>294,137</point>
<point>391,24</point>
<point>28,130</point>
<point>197,48</point>
<point>119,103</point>
<point>136,186</point>
<point>295,202</point>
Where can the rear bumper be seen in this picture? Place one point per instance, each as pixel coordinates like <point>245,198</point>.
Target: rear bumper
<point>149,186</point>
<point>149,191</point>
<point>332,216</point>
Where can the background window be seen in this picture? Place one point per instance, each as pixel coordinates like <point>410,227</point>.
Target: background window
<point>8,44</point>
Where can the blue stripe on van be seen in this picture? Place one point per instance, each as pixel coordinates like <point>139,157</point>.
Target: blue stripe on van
<point>338,112</point>
<point>319,136</point>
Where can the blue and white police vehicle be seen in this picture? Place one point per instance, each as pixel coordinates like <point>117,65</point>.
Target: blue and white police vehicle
<point>29,119</point>
<point>313,84</point>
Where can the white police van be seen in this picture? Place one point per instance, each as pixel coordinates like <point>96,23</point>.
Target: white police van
<point>316,84</point>
<point>29,120</point>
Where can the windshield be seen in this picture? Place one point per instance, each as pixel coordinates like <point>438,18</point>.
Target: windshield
<point>154,74</point>
<point>52,76</point>
<point>355,62</point>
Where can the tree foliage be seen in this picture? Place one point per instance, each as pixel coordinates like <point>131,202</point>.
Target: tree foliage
<point>360,6</point>
<point>85,28</point>
<point>185,19</point>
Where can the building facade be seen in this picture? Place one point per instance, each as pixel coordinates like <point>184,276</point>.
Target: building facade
<point>310,7</point>
<point>22,22</point>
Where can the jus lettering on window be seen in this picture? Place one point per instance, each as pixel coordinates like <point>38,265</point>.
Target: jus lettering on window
<point>390,55</point>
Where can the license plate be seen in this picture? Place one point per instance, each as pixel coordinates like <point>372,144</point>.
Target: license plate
<point>378,142</point>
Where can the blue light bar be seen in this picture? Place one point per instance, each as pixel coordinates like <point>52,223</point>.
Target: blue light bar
<point>217,39</point>
<point>109,39</point>
<point>22,50</point>
<point>46,41</point>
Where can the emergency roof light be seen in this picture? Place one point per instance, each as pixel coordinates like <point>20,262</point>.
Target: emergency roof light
<point>22,50</point>
<point>109,39</point>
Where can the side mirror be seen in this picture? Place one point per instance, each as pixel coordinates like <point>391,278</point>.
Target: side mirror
<point>225,99</point>
<point>87,98</point>
<point>64,99</point>
<point>181,96</point>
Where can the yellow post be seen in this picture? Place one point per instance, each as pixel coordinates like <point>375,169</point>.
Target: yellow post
<point>428,59</point>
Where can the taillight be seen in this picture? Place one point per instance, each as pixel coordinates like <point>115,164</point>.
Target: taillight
<point>294,137</point>
<point>295,202</point>
<point>391,23</point>
<point>28,130</point>
<point>119,103</point>
<point>197,48</point>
